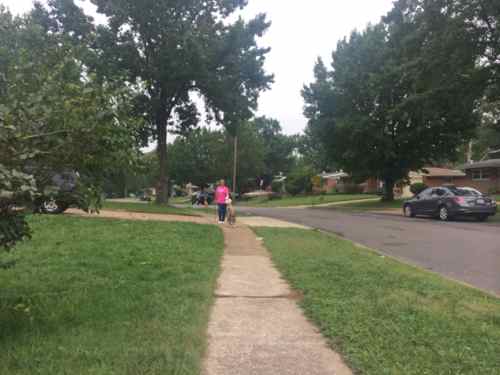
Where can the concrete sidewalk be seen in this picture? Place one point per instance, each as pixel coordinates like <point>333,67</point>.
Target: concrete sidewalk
<point>140,216</point>
<point>259,221</point>
<point>256,326</point>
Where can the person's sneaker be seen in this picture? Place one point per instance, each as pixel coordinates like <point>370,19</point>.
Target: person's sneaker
<point>221,222</point>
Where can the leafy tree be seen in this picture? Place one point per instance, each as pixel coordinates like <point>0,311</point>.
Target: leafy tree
<point>316,143</point>
<point>204,156</point>
<point>417,187</point>
<point>53,118</point>
<point>299,181</point>
<point>251,154</point>
<point>279,148</point>
<point>486,137</point>
<point>313,152</point>
<point>194,158</point>
<point>399,96</point>
<point>167,50</point>
<point>477,21</point>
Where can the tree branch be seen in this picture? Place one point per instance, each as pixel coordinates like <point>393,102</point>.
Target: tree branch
<point>27,138</point>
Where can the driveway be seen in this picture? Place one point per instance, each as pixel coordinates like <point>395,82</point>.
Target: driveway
<point>465,251</point>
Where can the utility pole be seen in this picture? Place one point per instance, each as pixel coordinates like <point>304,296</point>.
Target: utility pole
<point>235,162</point>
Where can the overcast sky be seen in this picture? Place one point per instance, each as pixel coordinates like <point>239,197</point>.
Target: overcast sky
<point>301,31</point>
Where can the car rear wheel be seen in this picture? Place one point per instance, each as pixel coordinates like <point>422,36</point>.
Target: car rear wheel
<point>444,213</point>
<point>52,207</point>
<point>408,211</point>
<point>481,218</point>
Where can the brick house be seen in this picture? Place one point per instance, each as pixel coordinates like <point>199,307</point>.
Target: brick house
<point>338,181</point>
<point>331,181</point>
<point>433,177</point>
<point>484,175</point>
<point>430,176</point>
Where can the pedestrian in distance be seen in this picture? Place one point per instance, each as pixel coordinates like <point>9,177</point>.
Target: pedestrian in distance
<point>221,195</point>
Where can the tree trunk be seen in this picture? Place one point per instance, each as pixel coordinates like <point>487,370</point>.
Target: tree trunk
<point>469,152</point>
<point>162,187</point>
<point>388,190</point>
<point>124,186</point>
<point>235,162</point>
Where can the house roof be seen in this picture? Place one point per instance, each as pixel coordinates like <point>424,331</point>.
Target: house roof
<point>442,172</point>
<point>490,163</point>
<point>335,175</point>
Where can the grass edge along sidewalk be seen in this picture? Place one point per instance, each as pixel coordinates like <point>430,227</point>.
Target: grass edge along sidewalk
<point>108,296</point>
<point>386,317</point>
<point>304,200</point>
<point>149,208</point>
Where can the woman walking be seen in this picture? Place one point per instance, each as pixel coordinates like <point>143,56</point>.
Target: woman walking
<point>221,194</point>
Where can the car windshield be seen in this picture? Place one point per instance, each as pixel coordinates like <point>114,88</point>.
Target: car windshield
<point>461,192</point>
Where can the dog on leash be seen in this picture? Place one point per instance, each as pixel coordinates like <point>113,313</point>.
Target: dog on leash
<point>231,212</point>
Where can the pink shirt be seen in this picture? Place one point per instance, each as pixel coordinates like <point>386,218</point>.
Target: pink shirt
<point>221,193</point>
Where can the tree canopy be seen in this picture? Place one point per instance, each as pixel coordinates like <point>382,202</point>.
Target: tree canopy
<point>53,117</point>
<point>403,93</point>
<point>169,50</point>
<point>204,156</point>
<point>278,147</point>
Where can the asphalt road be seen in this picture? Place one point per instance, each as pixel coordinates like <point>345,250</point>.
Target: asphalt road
<point>464,251</point>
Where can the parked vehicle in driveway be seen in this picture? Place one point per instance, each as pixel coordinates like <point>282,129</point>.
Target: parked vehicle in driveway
<point>448,202</point>
<point>59,194</point>
<point>147,195</point>
<point>201,197</point>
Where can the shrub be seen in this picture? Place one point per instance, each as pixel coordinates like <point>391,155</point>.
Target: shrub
<point>317,182</point>
<point>275,196</point>
<point>352,188</point>
<point>277,186</point>
<point>493,190</point>
<point>299,181</point>
<point>417,187</point>
<point>333,190</point>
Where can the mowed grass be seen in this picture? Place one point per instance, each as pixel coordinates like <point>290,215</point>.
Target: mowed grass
<point>180,200</point>
<point>150,208</point>
<point>386,317</point>
<point>494,219</point>
<point>97,296</point>
<point>304,200</point>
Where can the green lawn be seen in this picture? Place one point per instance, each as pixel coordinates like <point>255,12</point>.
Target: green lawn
<point>304,200</point>
<point>97,296</point>
<point>494,219</point>
<point>148,208</point>
<point>386,317</point>
<point>180,200</point>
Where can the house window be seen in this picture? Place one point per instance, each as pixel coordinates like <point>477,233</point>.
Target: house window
<point>480,174</point>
